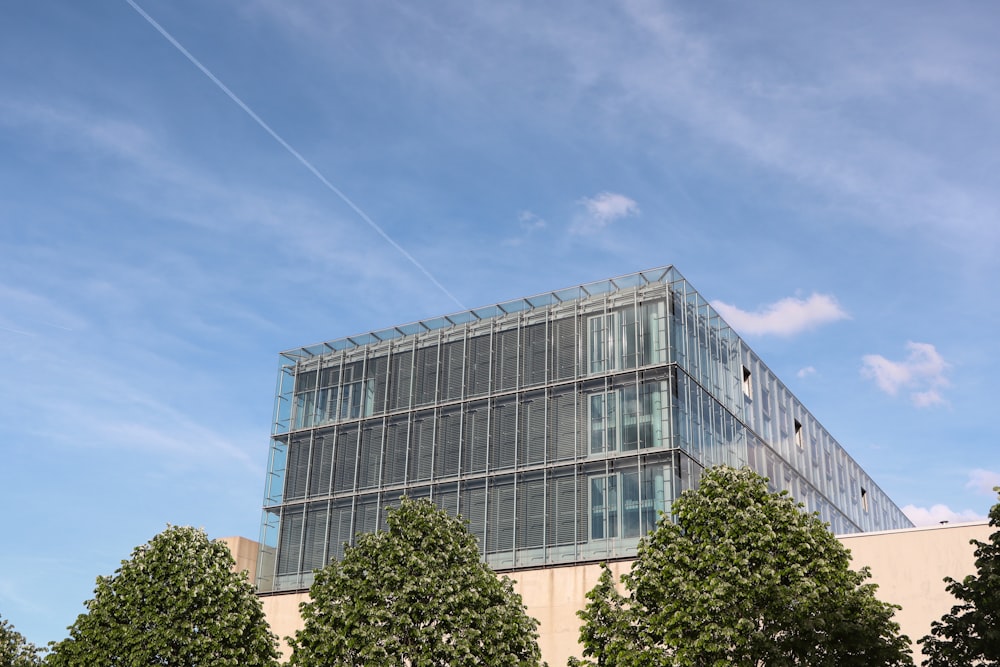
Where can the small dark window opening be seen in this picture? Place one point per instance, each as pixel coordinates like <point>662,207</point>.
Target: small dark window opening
<point>798,434</point>
<point>747,386</point>
<point>864,499</point>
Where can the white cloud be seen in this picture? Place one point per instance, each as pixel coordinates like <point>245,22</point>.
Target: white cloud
<point>786,317</point>
<point>923,516</point>
<point>983,481</point>
<point>806,372</point>
<point>530,221</point>
<point>602,210</point>
<point>923,372</point>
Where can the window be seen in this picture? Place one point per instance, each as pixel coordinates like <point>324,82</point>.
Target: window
<point>601,337</point>
<point>627,338</point>
<point>603,507</point>
<point>627,419</point>
<point>747,385</point>
<point>353,399</point>
<point>305,399</point>
<point>864,499</point>
<point>603,422</point>
<point>798,434</point>
<point>625,504</point>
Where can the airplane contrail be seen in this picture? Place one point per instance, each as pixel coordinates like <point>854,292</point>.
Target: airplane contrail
<point>298,156</point>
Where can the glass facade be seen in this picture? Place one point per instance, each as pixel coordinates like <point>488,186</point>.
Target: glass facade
<point>560,426</point>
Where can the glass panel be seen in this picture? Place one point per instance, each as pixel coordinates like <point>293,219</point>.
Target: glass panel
<point>603,507</point>
<point>597,423</point>
<point>629,419</point>
<point>597,507</point>
<point>630,504</point>
<point>626,339</point>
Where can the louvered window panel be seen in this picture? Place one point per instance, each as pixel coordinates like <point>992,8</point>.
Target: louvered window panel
<point>448,445</point>
<point>532,431</point>
<point>395,452</point>
<point>421,449</point>
<point>478,366</point>
<point>452,368</point>
<point>314,544</point>
<point>562,509</point>
<point>341,515</point>
<point>531,513</point>
<point>506,360</point>
<point>369,455</point>
<point>503,447</point>
<point>401,376</point>
<point>321,468</point>
<point>298,468</point>
<point>366,518</point>
<point>291,540</point>
<point>425,382</point>
<point>474,442</point>
<point>502,510</point>
<point>562,426</point>
<point>564,348</point>
<point>533,354</point>
<point>346,456</point>
<point>472,507</point>
<point>446,498</point>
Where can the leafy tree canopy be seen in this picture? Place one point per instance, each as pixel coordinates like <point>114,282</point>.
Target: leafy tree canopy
<point>177,602</point>
<point>970,633</point>
<point>15,650</point>
<point>417,594</point>
<point>743,577</point>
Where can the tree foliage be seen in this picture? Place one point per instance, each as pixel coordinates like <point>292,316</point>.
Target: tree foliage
<point>417,594</point>
<point>743,577</point>
<point>970,633</point>
<point>176,602</point>
<point>15,650</point>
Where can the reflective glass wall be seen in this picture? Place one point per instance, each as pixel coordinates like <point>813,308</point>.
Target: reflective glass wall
<point>560,426</point>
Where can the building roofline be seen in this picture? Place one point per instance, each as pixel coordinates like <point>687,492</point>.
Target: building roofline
<point>524,304</point>
<point>915,529</point>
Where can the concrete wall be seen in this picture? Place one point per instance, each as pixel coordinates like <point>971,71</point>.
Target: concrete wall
<point>282,612</point>
<point>244,552</point>
<point>908,565</point>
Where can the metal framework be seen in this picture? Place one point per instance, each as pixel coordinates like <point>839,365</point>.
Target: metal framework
<point>559,425</point>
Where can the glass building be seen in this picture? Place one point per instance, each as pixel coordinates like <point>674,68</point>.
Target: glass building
<point>559,425</point>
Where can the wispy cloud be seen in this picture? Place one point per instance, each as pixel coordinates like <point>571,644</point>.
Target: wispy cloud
<point>805,372</point>
<point>601,210</point>
<point>935,514</point>
<point>529,223</point>
<point>659,66</point>
<point>983,481</point>
<point>922,372</point>
<point>787,317</point>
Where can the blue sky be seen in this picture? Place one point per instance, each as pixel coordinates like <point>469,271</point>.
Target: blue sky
<point>827,174</point>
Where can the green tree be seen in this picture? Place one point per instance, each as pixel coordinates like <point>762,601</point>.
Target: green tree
<point>176,602</point>
<point>15,650</point>
<point>970,633</point>
<point>417,594</point>
<point>742,577</point>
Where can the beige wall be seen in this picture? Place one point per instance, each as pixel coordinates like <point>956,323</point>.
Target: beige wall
<point>244,552</point>
<point>282,612</point>
<point>908,565</point>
